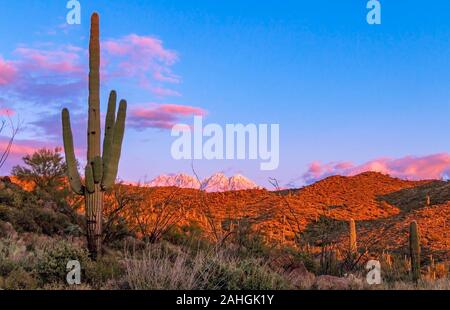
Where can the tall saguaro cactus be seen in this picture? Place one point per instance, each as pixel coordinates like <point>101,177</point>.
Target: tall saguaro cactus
<point>352,236</point>
<point>101,169</point>
<point>414,250</point>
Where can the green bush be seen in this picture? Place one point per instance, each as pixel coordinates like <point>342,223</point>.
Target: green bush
<point>6,214</point>
<point>49,221</point>
<point>7,266</point>
<point>247,274</point>
<point>106,268</point>
<point>19,279</point>
<point>51,266</point>
<point>24,221</point>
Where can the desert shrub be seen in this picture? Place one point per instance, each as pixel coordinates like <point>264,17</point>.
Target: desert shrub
<point>395,268</point>
<point>7,230</point>
<point>106,268</point>
<point>158,268</point>
<point>73,230</point>
<point>51,265</point>
<point>168,267</point>
<point>12,197</point>
<point>49,221</point>
<point>258,276</point>
<point>13,249</point>
<point>7,266</point>
<point>115,232</point>
<point>6,214</point>
<point>306,258</point>
<point>249,244</point>
<point>247,274</point>
<point>190,235</point>
<point>21,219</point>
<point>24,222</point>
<point>45,168</point>
<point>19,279</point>
<point>14,256</point>
<point>36,219</point>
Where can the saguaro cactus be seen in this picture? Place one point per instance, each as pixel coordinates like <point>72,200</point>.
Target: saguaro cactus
<point>414,250</point>
<point>352,233</point>
<point>101,169</point>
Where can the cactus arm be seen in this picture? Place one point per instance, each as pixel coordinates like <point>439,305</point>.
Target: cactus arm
<point>89,179</point>
<point>111,166</point>
<point>93,148</point>
<point>72,169</point>
<point>109,126</point>
<point>97,169</point>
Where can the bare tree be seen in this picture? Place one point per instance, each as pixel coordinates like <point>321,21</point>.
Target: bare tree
<point>147,215</point>
<point>14,129</point>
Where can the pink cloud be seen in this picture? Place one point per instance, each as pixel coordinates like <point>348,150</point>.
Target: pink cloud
<point>7,112</point>
<point>164,92</point>
<point>44,75</point>
<point>163,116</point>
<point>55,61</point>
<point>7,72</point>
<point>18,148</point>
<point>53,75</point>
<point>17,151</point>
<point>136,45</point>
<point>434,166</point>
<point>143,58</point>
<point>22,147</point>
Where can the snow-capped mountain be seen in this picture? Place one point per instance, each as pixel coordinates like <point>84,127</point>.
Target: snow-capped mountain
<point>216,183</point>
<point>239,182</point>
<point>178,180</point>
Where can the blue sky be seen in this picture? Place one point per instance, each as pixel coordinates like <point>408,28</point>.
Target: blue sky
<point>342,90</point>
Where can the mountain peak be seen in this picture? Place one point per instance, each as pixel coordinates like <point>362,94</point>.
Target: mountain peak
<point>218,182</point>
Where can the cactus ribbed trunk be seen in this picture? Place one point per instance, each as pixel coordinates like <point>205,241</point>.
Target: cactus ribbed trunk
<point>94,214</point>
<point>94,200</point>
<point>100,171</point>
<point>352,231</point>
<point>414,250</point>
<point>93,149</point>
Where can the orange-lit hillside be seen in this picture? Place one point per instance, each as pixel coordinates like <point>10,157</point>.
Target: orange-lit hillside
<point>382,206</point>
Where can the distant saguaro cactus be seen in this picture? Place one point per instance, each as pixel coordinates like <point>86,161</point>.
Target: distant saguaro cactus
<point>414,250</point>
<point>428,201</point>
<point>352,232</point>
<point>101,170</point>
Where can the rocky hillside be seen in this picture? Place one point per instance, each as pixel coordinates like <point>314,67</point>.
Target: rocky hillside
<point>381,205</point>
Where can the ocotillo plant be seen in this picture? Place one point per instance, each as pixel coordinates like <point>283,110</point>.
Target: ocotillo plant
<point>101,169</point>
<point>414,250</point>
<point>352,232</point>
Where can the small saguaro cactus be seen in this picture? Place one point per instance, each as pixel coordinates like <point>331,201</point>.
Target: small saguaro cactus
<point>101,169</point>
<point>352,233</point>
<point>414,250</point>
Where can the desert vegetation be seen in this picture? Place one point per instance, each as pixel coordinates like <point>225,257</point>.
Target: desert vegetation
<point>171,238</point>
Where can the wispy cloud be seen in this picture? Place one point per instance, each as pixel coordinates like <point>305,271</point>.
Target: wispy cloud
<point>145,59</point>
<point>47,76</point>
<point>162,116</point>
<point>435,166</point>
<point>8,72</point>
<point>46,72</point>
<point>43,75</point>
